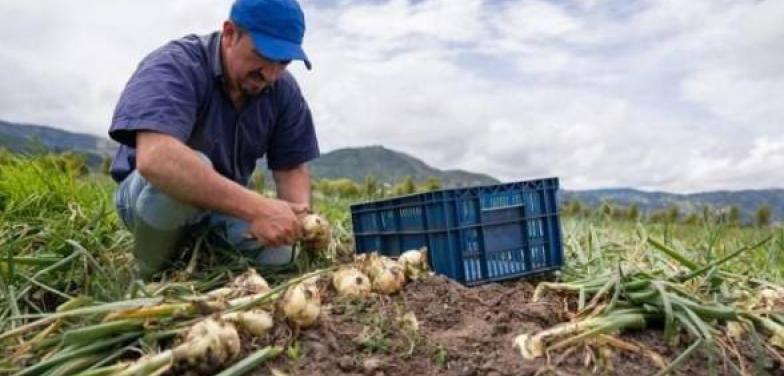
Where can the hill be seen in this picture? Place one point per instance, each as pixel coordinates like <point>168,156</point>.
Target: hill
<point>32,138</point>
<point>392,166</point>
<point>354,163</point>
<point>389,166</point>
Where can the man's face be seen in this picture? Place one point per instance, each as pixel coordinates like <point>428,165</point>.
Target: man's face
<point>247,70</point>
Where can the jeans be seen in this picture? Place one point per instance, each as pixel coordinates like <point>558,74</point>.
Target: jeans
<point>160,225</point>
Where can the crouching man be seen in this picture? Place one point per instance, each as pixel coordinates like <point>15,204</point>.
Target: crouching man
<point>192,121</point>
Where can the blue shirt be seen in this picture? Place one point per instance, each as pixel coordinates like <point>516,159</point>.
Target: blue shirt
<point>178,90</point>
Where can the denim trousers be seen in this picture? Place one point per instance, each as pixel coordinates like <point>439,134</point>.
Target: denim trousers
<point>160,225</point>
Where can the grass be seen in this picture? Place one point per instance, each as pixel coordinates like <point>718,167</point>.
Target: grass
<point>59,237</point>
<point>595,246</point>
<point>62,245</point>
<point>690,281</point>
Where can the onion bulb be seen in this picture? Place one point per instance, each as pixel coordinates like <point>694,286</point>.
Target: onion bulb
<point>369,263</point>
<point>389,279</point>
<point>256,322</point>
<point>770,298</point>
<point>531,347</point>
<point>249,283</point>
<point>316,231</point>
<point>414,262</point>
<point>349,281</point>
<point>386,275</point>
<point>221,293</point>
<point>209,346</point>
<point>301,304</point>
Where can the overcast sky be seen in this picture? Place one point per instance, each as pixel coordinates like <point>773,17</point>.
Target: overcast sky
<point>681,96</point>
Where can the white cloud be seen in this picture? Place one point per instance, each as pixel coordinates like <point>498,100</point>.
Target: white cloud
<point>396,20</point>
<point>667,95</point>
<point>535,21</point>
<point>733,95</point>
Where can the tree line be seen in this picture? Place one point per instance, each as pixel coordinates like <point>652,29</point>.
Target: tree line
<point>607,210</point>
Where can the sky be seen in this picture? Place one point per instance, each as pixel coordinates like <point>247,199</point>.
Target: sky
<point>680,96</point>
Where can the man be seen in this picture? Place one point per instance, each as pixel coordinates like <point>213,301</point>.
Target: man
<point>192,121</point>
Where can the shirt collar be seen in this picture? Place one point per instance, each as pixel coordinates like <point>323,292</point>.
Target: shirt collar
<point>215,54</point>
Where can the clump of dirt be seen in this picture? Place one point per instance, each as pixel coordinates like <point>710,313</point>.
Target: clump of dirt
<point>439,327</point>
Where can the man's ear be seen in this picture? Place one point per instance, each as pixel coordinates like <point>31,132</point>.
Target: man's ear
<point>230,33</point>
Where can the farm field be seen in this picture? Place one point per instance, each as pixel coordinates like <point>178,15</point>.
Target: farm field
<point>635,297</point>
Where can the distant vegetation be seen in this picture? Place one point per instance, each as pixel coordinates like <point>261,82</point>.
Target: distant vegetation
<point>672,214</point>
<point>389,168</point>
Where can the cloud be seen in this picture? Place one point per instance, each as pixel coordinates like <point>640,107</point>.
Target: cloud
<point>666,95</point>
<point>65,64</point>
<point>535,21</point>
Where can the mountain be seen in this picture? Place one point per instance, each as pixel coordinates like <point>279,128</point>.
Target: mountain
<point>31,138</point>
<point>354,163</point>
<point>746,200</point>
<point>392,166</point>
<point>389,166</point>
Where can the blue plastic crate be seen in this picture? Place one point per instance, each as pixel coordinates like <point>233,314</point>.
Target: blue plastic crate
<point>473,235</point>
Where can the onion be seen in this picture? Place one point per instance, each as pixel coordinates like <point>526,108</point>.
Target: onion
<point>388,279</point>
<point>221,293</point>
<point>369,263</point>
<point>771,298</point>
<point>255,322</point>
<point>414,262</point>
<point>249,283</point>
<point>208,346</point>
<point>351,282</point>
<point>386,275</point>
<point>301,304</point>
<point>317,232</point>
<point>531,347</point>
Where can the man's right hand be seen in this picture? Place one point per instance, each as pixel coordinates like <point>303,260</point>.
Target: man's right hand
<point>174,168</point>
<point>275,224</point>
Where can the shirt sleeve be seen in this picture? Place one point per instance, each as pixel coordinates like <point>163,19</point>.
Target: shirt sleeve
<point>160,96</point>
<point>293,140</point>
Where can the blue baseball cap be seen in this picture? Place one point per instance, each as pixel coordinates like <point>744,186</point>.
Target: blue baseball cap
<point>276,27</point>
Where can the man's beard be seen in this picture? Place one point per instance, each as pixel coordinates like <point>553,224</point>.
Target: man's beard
<point>254,84</point>
<point>252,91</point>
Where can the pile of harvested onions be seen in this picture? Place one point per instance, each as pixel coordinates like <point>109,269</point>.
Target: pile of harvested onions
<point>210,326</point>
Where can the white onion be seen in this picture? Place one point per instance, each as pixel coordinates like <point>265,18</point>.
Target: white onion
<point>386,275</point>
<point>256,322</point>
<point>221,293</point>
<point>209,345</point>
<point>301,304</point>
<point>351,282</point>
<point>315,228</point>
<point>414,262</point>
<point>389,279</point>
<point>249,283</point>
<point>531,347</point>
<point>369,263</point>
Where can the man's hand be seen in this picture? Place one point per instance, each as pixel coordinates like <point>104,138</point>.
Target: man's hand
<point>275,224</point>
<point>301,210</point>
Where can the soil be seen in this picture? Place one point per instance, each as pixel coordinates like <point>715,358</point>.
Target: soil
<point>471,331</point>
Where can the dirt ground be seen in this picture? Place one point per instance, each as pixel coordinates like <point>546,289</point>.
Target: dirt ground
<point>470,331</point>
